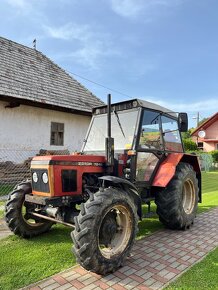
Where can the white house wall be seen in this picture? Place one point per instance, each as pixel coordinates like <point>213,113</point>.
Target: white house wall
<point>28,129</point>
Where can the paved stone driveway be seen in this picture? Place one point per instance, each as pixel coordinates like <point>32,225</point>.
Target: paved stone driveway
<point>156,260</point>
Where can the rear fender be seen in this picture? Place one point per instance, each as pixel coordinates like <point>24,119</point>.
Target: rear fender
<point>167,169</point>
<point>128,187</point>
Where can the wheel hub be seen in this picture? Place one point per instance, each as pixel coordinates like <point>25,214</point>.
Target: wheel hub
<point>188,197</point>
<point>115,231</point>
<point>108,229</point>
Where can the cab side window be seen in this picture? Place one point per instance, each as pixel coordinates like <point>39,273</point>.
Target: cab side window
<point>171,134</point>
<point>150,131</point>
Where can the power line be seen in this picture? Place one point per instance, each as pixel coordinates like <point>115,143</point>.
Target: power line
<point>100,85</point>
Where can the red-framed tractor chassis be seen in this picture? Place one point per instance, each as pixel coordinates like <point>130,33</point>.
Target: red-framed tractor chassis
<point>100,191</point>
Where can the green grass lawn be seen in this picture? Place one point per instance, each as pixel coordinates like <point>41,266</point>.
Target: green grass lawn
<point>26,261</point>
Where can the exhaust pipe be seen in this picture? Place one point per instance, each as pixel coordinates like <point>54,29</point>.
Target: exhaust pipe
<point>109,142</point>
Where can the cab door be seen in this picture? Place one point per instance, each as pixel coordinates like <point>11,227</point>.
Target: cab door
<point>150,147</point>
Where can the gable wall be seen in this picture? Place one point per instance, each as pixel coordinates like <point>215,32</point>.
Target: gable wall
<point>28,128</point>
<point>212,131</point>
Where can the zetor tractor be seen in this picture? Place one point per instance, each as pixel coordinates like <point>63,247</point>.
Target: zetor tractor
<point>99,191</point>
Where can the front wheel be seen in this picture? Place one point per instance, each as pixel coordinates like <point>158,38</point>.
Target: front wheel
<point>105,231</point>
<point>177,203</point>
<point>18,214</point>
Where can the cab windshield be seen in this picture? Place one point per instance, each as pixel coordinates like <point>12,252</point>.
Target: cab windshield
<point>123,126</point>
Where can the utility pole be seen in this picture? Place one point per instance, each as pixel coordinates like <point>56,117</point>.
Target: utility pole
<point>198,119</point>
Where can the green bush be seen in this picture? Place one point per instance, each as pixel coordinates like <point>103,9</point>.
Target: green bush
<point>214,155</point>
<point>189,145</point>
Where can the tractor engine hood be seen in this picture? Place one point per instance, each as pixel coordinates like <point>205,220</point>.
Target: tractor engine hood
<point>70,160</point>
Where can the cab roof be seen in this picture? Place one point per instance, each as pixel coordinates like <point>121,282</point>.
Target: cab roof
<point>134,103</point>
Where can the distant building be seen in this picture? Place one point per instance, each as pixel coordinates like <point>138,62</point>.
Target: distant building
<point>206,135</point>
<point>41,106</point>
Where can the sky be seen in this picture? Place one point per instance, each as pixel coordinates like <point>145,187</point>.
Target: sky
<point>162,51</point>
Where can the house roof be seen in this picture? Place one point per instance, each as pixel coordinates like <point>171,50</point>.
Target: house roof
<point>206,124</point>
<point>30,77</point>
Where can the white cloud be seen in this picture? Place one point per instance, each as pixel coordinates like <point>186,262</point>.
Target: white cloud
<point>90,47</point>
<point>69,31</point>
<point>207,104</point>
<point>133,8</point>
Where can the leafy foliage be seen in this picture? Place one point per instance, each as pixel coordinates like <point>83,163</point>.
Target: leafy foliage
<point>214,155</point>
<point>189,145</point>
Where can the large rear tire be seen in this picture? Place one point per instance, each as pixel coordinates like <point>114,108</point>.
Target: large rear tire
<point>105,231</point>
<point>18,214</point>
<point>177,203</point>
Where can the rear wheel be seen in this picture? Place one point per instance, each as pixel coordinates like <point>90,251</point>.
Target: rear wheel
<point>177,203</point>
<point>18,214</point>
<point>105,231</point>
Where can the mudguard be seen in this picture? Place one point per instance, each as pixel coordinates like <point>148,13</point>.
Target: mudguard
<point>128,187</point>
<point>167,169</point>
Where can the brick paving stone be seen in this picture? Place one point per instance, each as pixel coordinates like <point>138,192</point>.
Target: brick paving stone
<point>118,287</point>
<point>125,281</point>
<point>101,285</point>
<point>160,267</point>
<point>89,287</point>
<point>147,275</point>
<point>182,267</point>
<point>84,277</point>
<point>47,283</point>
<point>157,285</point>
<point>130,271</point>
<point>185,258</point>
<point>143,287</point>
<point>77,284</point>
<point>132,285</point>
<point>65,287</point>
<point>150,281</point>
<point>176,271</point>
<point>90,280</point>
<point>51,286</point>
<point>113,281</point>
<point>136,278</point>
<point>170,275</point>
<point>175,264</point>
<point>159,278</point>
<point>60,280</point>
<point>66,274</point>
<point>80,270</point>
<point>141,272</point>
<point>72,277</point>
<point>120,275</point>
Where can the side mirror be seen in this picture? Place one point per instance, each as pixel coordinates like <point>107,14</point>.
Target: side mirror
<point>183,122</point>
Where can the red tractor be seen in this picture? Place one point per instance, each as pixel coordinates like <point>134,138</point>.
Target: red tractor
<point>100,191</point>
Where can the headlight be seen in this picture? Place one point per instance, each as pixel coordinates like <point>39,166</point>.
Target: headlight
<point>35,177</point>
<point>45,177</point>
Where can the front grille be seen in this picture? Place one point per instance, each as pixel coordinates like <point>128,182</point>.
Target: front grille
<point>69,180</point>
<point>40,185</point>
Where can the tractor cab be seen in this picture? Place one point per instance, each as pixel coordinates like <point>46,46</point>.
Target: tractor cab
<point>143,133</point>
